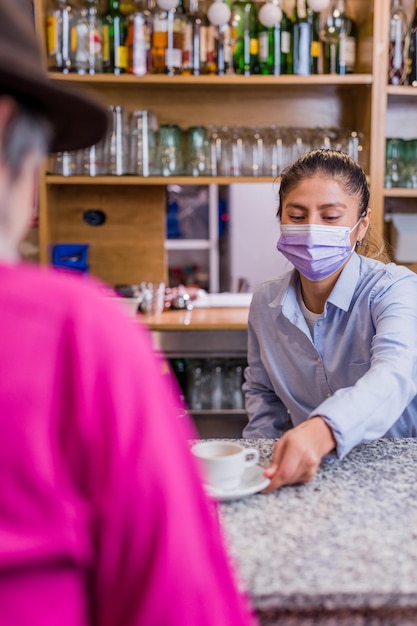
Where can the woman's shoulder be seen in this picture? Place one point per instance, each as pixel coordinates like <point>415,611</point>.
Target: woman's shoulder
<point>387,279</point>
<point>386,271</point>
<point>273,288</point>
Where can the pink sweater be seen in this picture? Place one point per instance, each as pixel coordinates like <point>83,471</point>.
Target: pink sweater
<point>102,516</point>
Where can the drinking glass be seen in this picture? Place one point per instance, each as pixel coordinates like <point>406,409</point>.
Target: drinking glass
<point>274,151</point>
<point>92,160</point>
<point>394,162</point>
<point>254,152</point>
<point>143,127</point>
<point>116,146</point>
<point>197,152</point>
<point>409,173</point>
<point>170,160</point>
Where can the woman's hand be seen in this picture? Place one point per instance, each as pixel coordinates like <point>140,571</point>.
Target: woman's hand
<point>298,453</point>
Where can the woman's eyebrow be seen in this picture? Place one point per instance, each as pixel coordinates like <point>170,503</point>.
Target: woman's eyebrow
<point>327,205</point>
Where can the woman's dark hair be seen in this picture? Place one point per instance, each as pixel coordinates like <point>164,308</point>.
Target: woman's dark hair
<point>332,164</point>
<point>349,174</point>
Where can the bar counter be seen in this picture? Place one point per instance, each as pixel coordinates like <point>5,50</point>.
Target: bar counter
<point>211,318</point>
<point>339,551</point>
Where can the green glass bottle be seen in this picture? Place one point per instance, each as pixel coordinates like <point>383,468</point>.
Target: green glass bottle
<point>315,48</point>
<point>412,53</point>
<point>286,45</point>
<point>244,24</point>
<point>115,57</point>
<point>269,38</point>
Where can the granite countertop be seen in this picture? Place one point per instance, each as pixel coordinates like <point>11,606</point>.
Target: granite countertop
<point>341,550</point>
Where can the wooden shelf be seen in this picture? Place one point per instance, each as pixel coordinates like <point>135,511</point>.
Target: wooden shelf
<point>400,192</point>
<point>155,180</point>
<point>228,80</point>
<point>402,91</point>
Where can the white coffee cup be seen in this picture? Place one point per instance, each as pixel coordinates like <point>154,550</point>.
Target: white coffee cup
<point>223,462</point>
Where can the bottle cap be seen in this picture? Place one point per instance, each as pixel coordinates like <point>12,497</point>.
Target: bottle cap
<point>218,13</point>
<point>270,14</point>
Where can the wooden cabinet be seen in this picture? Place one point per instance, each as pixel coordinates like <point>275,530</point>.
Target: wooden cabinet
<point>130,245</point>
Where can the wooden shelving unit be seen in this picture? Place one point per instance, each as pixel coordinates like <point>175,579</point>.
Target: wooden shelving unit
<point>130,246</point>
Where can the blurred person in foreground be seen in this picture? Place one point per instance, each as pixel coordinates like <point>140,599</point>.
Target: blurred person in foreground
<point>332,347</point>
<point>103,518</point>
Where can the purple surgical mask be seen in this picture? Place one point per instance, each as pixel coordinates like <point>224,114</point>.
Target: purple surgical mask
<point>316,251</point>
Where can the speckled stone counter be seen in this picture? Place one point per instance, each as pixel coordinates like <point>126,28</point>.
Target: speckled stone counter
<point>339,551</point>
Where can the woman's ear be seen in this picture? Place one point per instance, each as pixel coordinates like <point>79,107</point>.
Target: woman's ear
<point>364,224</point>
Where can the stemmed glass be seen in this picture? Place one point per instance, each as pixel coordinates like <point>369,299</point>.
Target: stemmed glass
<point>335,27</point>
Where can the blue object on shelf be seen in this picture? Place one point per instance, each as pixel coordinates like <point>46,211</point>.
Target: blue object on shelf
<point>70,256</point>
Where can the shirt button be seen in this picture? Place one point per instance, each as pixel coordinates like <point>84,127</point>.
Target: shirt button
<point>328,395</point>
<point>318,360</point>
<point>320,323</point>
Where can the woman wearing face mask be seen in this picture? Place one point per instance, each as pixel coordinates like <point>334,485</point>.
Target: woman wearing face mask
<point>332,350</point>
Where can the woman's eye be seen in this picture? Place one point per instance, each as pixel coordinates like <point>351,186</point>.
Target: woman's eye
<point>330,218</point>
<point>296,218</point>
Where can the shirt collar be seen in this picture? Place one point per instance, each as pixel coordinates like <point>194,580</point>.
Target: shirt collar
<point>340,296</point>
<point>342,293</point>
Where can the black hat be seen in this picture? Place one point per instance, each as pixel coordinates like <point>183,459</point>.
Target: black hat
<point>77,121</point>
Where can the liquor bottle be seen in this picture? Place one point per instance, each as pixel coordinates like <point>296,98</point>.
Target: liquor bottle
<point>412,52</point>
<point>167,37</point>
<point>302,39</point>
<point>397,68</point>
<point>220,33</point>
<point>138,41</point>
<point>128,7</point>
<point>245,37</point>
<point>59,25</point>
<point>350,45</point>
<point>88,39</point>
<point>286,44</point>
<point>114,39</point>
<point>269,38</point>
<point>195,39</point>
<point>315,47</point>
<point>339,36</point>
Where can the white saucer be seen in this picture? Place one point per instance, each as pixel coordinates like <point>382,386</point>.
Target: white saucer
<point>252,481</point>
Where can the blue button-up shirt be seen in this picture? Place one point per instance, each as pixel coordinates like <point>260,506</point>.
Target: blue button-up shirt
<point>358,370</point>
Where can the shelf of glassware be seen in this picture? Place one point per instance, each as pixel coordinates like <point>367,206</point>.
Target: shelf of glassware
<point>401,105</point>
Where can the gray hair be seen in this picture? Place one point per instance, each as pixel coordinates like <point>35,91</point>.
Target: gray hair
<point>27,131</point>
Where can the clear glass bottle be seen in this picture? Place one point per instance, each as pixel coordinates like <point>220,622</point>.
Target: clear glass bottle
<point>350,46</point>
<point>60,21</point>
<point>114,39</point>
<point>302,39</point>
<point>139,34</point>
<point>196,30</point>
<point>167,38</point>
<point>244,24</point>
<point>397,54</point>
<point>339,36</point>
<point>88,48</point>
